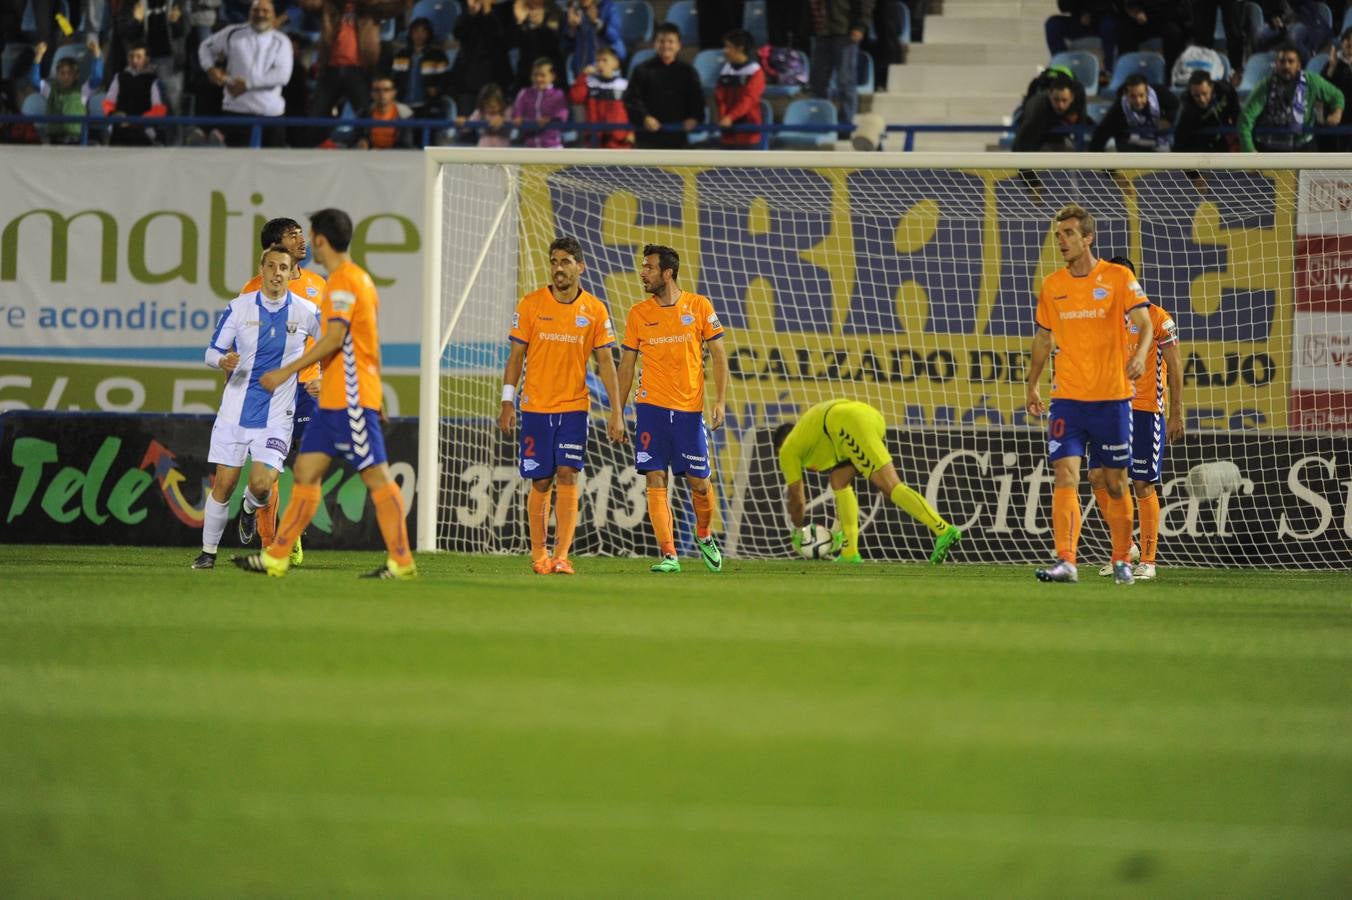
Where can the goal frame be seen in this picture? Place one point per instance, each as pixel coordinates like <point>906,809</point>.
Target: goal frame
<point>435,159</point>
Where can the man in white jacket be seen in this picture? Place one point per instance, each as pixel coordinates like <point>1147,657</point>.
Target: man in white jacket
<point>251,63</point>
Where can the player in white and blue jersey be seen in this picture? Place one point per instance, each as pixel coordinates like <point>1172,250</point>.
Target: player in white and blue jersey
<point>258,332</point>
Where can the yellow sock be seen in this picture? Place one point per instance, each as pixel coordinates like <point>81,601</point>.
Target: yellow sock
<point>847,511</point>
<point>918,508</point>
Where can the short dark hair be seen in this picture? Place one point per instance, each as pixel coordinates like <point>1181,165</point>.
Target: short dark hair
<point>335,226</point>
<point>67,61</point>
<point>1288,47</point>
<point>271,249</point>
<point>667,258</point>
<point>1134,79</point>
<point>425,23</point>
<point>1124,261</point>
<point>568,245</point>
<point>542,62</point>
<point>605,50</point>
<point>781,434</point>
<point>137,45</point>
<point>1199,76</point>
<point>490,92</point>
<point>741,39</point>
<point>666,28</point>
<point>275,229</point>
<point>1061,83</point>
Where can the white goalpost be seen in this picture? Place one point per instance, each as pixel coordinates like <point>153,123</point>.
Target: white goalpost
<point>909,281</point>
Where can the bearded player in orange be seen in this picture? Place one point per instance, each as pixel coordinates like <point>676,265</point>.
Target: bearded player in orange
<point>670,331</point>
<point>554,330</point>
<point>348,424</point>
<point>310,285</point>
<point>1149,429</point>
<point>1081,308</point>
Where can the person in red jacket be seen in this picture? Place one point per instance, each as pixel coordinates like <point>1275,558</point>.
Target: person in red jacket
<point>601,87</point>
<point>738,93</point>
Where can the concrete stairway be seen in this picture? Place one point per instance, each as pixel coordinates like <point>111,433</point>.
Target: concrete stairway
<point>976,61</point>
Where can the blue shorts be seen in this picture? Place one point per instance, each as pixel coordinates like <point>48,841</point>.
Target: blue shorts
<point>1147,447</point>
<point>671,439</point>
<point>353,434</point>
<point>1102,428</point>
<point>550,440</point>
<point>307,408</point>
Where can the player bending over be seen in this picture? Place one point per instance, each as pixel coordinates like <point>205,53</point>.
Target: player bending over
<point>669,332</point>
<point>849,438</point>
<point>348,424</point>
<point>266,328</point>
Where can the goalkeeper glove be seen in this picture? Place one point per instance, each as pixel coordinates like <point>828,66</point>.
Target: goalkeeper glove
<point>796,537</point>
<point>837,541</point>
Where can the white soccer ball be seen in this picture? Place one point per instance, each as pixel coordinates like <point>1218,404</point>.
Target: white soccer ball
<point>816,542</point>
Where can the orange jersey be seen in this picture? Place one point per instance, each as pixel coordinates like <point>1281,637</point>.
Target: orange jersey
<point>1085,316</point>
<point>1150,386</point>
<point>670,342</point>
<point>308,285</point>
<point>352,375</point>
<point>559,337</point>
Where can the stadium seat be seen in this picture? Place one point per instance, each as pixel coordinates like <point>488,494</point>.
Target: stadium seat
<point>904,17</point>
<point>1083,64</point>
<point>78,52</point>
<point>809,111</point>
<point>1256,68</point>
<point>1325,14</point>
<point>767,118</point>
<point>641,56</point>
<point>442,13</point>
<point>1316,63</point>
<point>28,24</point>
<point>98,133</point>
<point>708,63</point>
<point>754,21</point>
<point>866,79</point>
<point>636,21</point>
<point>1253,21</point>
<point>1347,20</point>
<point>13,55</point>
<point>684,16</point>
<point>34,105</point>
<point>1149,64</point>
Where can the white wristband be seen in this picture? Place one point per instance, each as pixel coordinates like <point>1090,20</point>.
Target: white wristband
<point>508,393</point>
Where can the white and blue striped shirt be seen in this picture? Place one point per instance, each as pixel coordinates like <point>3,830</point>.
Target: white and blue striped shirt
<point>267,334</point>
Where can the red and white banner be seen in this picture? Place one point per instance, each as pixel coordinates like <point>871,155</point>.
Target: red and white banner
<point>1321,327</point>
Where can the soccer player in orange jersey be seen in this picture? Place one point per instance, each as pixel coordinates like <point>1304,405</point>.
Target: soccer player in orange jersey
<point>309,285</point>
<point>554,330</point>
<point>1149,429</point>
<point>670,331</point>
<point>348,424</point>
<point>1081,308</point>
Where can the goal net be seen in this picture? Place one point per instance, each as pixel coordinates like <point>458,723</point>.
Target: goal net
<point>909,282</point>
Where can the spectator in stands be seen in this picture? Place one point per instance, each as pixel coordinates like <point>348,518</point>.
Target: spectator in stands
<point>1338,72</point>
<point>11,105</point>
<point>885,46</point>
<point>349,48</point>
<point>589,26</point>
<point>492,109</point>
<point>1048,115</point>
<point>64,94</point>
<point>251,63</point>
<point>296,97</point>
<point>1208,104</point>
<point>535,31</point>
<point>1163,19</point>
<point>1140,120</point>
<point>1286,101</point>
<point>540,105</point>
<point>420,66</point>
<point>482,60</point>
<point>839,26</point>
<point>1299,22</point>
<point>664,91</point>
<point>135,92</point>
<point>160,25</point>
<point>1082,19</point>
<point>738,93</point>
<point>386,108</point>
<point>601,87</point>
<point>1232,21</point>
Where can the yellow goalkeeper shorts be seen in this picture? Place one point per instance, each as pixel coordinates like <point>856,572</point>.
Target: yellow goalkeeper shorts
<point>859,436</point>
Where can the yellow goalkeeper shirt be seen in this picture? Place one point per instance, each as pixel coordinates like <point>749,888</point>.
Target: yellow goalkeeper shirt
<point>810,446</point>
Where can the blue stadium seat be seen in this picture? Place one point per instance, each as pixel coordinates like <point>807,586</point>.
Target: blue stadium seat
<point>640,56</point>
<point>78,52</point>
<point>866,79</point>
<point>684,16</point>
<point>1085,65</point>
<point>442,13</point>
<point>1347,20</point>
<point>34,105</point>
<point>1253,21</point>
<point>708,63</point>
<point>754,21</point>
<point>904,16</point>
<point>1325,14</point>
<point>1149,64</point>
<point>11,56</point>
<point>1316,63</point>
<point>767,118</point>
<point>1257,67</point>
<point>636,21</point>
<point>809,111</point>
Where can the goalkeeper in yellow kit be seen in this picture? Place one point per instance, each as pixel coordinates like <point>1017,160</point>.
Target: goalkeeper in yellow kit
<point>848,438</point>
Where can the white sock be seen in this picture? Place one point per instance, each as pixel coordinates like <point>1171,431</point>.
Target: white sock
<point>217,514</point>
<point>251,503</point>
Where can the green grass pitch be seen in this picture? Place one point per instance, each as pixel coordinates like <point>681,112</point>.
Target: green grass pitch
<point>779,730</point>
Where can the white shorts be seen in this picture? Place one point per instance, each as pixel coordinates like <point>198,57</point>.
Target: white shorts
<point>231,443</point>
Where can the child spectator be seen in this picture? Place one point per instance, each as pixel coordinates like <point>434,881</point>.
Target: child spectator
<point>420,68</point>
<point>482,36</point>
<point>64,95</point>
<point>135,92</point>
<point>738,92</point>
<point>534,31</point>
<point>601,87</point>
<point>591,25</point>
<point>540,104</point>
<point>492,108</point>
